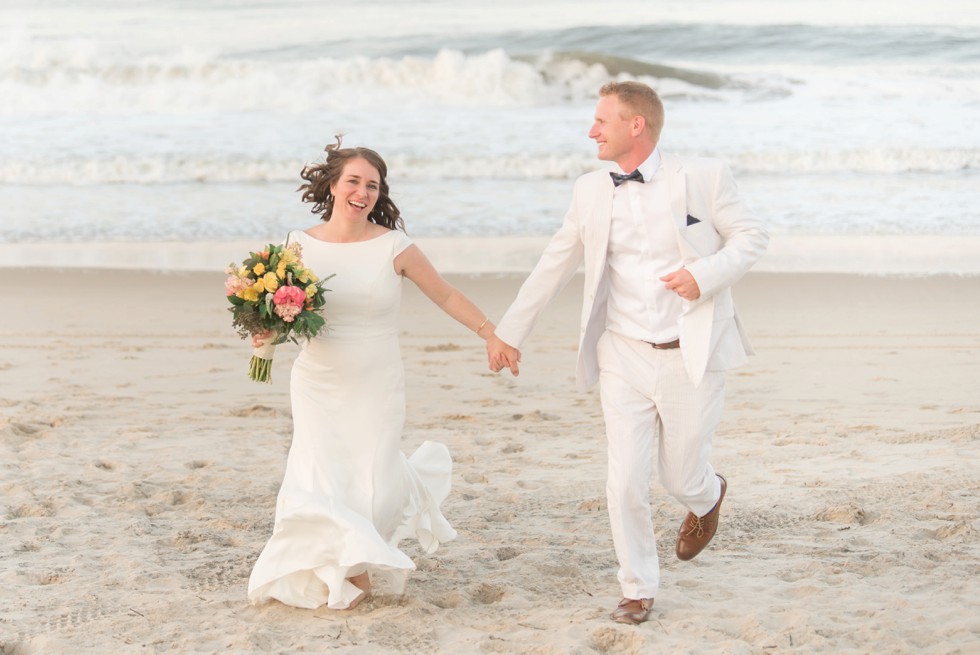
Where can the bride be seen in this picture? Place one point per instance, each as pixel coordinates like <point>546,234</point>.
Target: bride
<point>349,495</point>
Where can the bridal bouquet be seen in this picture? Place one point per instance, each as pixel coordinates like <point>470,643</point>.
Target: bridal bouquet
<point>272,290</point>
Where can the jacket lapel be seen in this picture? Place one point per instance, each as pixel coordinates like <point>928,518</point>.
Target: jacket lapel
<point>677,186</point>
<point>597,243</point>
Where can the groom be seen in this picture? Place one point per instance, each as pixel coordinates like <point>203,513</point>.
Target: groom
<point>662,241</point>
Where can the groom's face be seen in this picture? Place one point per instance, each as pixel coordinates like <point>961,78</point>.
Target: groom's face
<point>612,129</point>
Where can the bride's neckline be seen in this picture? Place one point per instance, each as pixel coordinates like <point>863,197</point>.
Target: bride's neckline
<point>341,243</point>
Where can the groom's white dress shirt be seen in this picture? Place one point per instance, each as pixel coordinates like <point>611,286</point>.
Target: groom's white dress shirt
<point>642,249</point>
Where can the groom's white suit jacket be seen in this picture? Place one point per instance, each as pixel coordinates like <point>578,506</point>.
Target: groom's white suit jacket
<point>719,240</point>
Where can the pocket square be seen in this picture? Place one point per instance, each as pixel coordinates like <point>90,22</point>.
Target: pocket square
<point>691,220</point>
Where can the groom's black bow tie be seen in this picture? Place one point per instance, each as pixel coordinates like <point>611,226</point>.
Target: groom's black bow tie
<point>619,179</point>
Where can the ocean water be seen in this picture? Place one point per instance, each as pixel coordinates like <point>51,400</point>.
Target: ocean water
<point>189,120</point>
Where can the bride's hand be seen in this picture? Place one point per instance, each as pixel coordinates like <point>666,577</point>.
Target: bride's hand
<point>259,339</point>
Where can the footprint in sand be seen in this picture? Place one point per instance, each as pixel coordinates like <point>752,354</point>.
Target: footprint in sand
<point>38,510</point>
<point>593,505</point>
<point>452,601</point>
<point>216,575</point>
<point>506,553</point>
<point>953,530</point>
<point>502,516</point>
<point>254,410</point>
<point>848,514</point>
<point>487,594</point>
<point>27,429</point>
<point>616,640</point>
<point>536,415</point>
<point>442,348</point>
<point>427,564</point>
<point>75,618</point>
<point>56,576</point>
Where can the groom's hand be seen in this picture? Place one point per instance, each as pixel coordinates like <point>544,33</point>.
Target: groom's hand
<point>501,355</point>
<point>683,284</point>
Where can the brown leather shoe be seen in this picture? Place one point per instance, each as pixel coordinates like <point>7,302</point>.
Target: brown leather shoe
<point>695,532</point>
<point>632,611</point>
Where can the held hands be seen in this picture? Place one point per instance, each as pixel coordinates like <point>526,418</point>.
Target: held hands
<point>683,284</point>
<point>500,355</point>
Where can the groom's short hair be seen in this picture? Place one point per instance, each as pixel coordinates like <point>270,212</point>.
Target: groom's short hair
<point>640,99</point>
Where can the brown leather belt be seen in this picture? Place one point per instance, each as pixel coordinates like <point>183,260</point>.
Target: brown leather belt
<point>676,343</point>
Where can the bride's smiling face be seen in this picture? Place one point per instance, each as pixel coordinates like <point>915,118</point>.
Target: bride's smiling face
<point>357,190</point>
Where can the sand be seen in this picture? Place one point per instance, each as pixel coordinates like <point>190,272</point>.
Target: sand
<point>140,467</point>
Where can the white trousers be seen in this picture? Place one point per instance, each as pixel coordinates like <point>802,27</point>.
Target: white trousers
<point>647,398</point>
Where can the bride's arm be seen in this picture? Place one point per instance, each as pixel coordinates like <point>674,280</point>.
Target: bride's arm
<point>413,264</point>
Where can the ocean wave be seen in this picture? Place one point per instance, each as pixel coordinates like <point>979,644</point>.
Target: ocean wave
<point>754,42</point>
<point>541,69</point>
<point>59,82</point>
<point>775,43</point>
<point>617,66</point>
<point>172,169</point>
<point>183,168</point>
<point>876,160</point>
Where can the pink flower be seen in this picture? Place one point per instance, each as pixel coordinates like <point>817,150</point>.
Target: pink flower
<point>233,284</point>
<point>289,295</point>
<point>288,313</point>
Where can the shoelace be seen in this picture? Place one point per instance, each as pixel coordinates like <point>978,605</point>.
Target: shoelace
<point>696,524</point>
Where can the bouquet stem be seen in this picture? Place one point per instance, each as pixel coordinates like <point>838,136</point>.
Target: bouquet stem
<point>260,366</point>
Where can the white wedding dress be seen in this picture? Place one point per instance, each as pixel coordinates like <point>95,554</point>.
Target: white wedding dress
<point>349,495</point>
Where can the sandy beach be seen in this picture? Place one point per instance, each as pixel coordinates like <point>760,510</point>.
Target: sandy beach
<point>140,467</point>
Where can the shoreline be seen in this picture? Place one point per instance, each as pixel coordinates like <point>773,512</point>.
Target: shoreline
<point>912,255</point>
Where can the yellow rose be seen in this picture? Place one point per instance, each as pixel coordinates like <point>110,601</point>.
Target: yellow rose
<point>259,286</point>
<point>250,294</point>
<point>259,269</point>
<point>281,271</point>
<point>243,272</point>
<point>271,281</point>
<point>311,291</point>
<point>306,276</point>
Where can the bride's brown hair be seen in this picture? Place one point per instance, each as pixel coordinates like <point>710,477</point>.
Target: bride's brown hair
<point>319,178</point>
